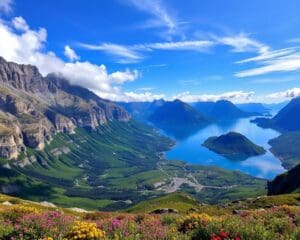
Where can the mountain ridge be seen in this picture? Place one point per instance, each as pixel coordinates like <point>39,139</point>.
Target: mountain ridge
<point>36,107</point>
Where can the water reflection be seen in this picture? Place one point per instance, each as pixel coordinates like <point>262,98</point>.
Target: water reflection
<point>189,148</point>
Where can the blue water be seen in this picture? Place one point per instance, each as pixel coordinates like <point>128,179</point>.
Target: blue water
<point>190,149</point>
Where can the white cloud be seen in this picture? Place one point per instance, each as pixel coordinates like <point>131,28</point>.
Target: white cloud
<point>19,23</point>
<point>70,53</point>
<point>135,53</point>
<point>124,54</point>
<point>294,40</point>
<point>142,97</point>
<point>283,95</point>
<point>162,17</point>
<point>181,45</point>
<point>287,63</point>
<point>131,54</point>
<point>121,77</point>
<point>275,79</point>
<point>236,96</point>
<point>269,55</point>
<point>6,6</point>
<point>145,89</point>
<point>243,43</point>
<point>28,47</point>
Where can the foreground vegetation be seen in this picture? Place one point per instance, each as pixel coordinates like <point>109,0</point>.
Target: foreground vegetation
<point>29,221</point>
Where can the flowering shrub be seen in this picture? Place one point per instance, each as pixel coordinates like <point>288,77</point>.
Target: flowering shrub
<point>28,223</point>
<point>193,221</point>
<point>17,211</point>
<point>85,231</point>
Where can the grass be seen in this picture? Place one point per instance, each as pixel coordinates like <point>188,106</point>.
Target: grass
<point>178,201</point>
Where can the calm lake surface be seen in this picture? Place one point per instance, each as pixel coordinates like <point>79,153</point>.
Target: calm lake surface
<point>189,149</point>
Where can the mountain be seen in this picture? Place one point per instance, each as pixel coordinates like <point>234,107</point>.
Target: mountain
<point>275,107</point>
<point>204,107</point>
<point>286,147</point>
<point>287,119</point>
<point>288,182</point>
<point>178,119</point>
<point>233,145</point>
<point>33,108</point>
<point>224,110</point>
<point>141,110</point>
<point>255,108</point>
<point>177,113</point>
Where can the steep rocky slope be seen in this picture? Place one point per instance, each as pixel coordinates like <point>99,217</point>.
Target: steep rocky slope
<point>33,108</point>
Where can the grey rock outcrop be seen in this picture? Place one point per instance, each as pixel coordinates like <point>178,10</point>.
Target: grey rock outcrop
<point>33,108</point>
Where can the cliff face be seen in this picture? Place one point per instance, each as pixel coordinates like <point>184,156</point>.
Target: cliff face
<point>33,108</point>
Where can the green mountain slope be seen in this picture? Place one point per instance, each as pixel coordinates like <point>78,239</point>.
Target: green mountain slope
<point>287,148</point>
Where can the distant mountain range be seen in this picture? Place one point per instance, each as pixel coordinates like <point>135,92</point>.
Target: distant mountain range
<point>287,119</point>
<point>210,111</point>
<point>255,108</point>
<point>224,110</point>
<point>234,145</point>
<point>177,113</point>
<point>178,119</point>
<point>141,110</point>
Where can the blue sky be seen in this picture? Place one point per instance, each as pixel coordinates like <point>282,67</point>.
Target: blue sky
<point>136,50</point>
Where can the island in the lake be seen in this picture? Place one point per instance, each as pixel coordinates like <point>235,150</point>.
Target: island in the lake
<point>233,145</point>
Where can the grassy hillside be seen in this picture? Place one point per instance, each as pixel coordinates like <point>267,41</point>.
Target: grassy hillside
<point>177,201</point>
<point>287,148</point>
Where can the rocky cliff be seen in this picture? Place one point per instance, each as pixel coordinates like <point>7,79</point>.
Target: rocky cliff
<point>33,108</point>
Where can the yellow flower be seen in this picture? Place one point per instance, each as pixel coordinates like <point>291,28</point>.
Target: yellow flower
<point>85,231</point>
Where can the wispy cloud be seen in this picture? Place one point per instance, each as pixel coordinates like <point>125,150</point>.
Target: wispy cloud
<point>180,45</point>
<point>290,93</point>
<point>275,80</point>
<point>6,6</point>
<point>133,53</point>
<point>243,43</point>
<point>161,16</point>
<point>269,55</point>
<point>136,52</point>
<point>285,62</point>
<point>294,40</point>
<point>70,54</point>
<point>123,54</point>
<point>235,96</point>
<point>146,89</point>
